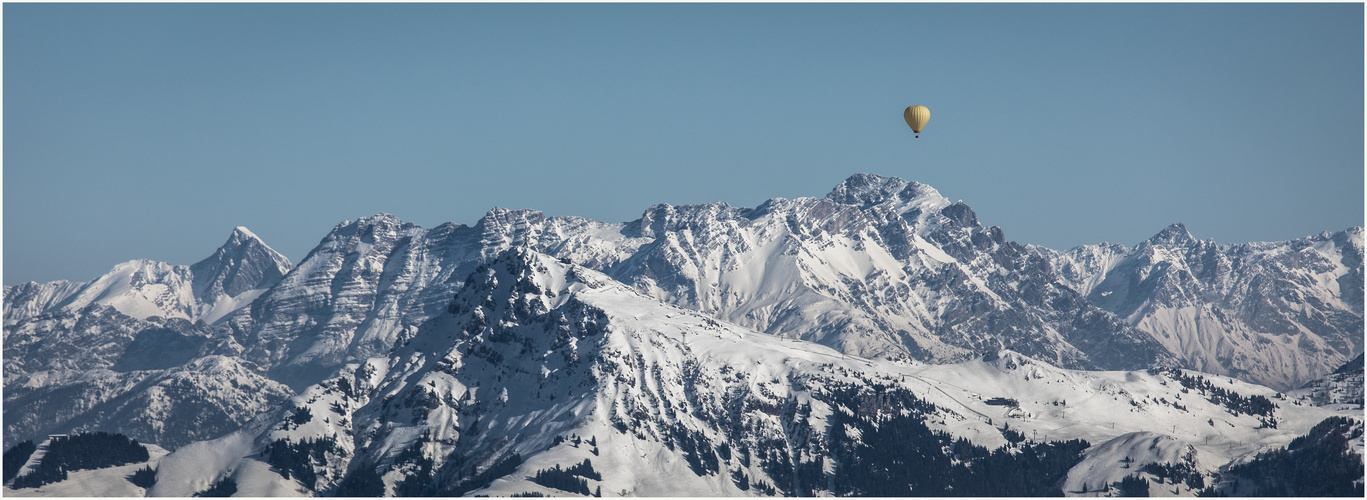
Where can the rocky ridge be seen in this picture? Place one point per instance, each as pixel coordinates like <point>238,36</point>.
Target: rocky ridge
<point>1276,313</point>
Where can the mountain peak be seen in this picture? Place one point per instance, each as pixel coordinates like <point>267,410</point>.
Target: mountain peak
<point>244,240</point>
<point>383,219</point>
<point>868,189</point>
<point>499,216</point>
<point>243,263</point>
<point>663,217</point>
<point>242,234</point>
<point>502,228</point>
<point>380,219</point>
<point>368,230</point>
<point>1175,234</point>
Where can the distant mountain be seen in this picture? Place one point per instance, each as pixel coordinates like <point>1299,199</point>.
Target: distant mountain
<point>240,271</point>
<point>133,352</point>
<point>32,298</point>
<point>228,280</point>
<point>768,350</point>
<point>1279,313</point>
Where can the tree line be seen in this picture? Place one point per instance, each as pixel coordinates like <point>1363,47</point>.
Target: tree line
<point>1319,464</point>
<point>82,452</point>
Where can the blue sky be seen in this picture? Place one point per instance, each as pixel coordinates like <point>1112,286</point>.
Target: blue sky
<point>150,131</point>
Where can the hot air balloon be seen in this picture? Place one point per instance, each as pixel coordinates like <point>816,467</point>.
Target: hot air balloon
<point>916,117</point>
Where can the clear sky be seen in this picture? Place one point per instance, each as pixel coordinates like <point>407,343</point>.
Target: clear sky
<point>150,131</point>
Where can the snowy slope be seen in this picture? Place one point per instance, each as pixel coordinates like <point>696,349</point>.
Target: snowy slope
<point>199,399</point>
<point>140,289</point>
<point>1125,455</point>
<point>532,349</point>
<point>1102,406</point>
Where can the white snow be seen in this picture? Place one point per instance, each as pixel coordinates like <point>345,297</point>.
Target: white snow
<point>141,289</point>
<point>1111,461</point>
<point>228,305</point>
<point>247,233</point>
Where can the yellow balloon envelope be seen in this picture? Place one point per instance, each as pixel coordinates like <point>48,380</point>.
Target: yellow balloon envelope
<point>916,117</point>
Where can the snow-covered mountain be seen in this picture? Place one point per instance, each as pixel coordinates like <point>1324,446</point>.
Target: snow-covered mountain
<point>761,348</point>
<point>1279,313</point>
<point>239,272</point>
<point>208,290</point>
<point>135,352</point>
<point>880,267</point>
<point>539,365</point>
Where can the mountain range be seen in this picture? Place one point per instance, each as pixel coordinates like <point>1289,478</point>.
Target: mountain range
<point>755,347</point>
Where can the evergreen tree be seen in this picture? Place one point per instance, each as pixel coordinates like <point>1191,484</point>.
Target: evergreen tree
<point>483,479</point>
<point>741,480</point>
<point>15,458</point>
<point>225,487</point>
<point>561,479</point>
<point>297,460</point>
<point>362,482</point>
<point>1133,486</point>
<point>918,466</point>
<point>144,478</point>
<point>301,416</point>
<point>585,469</point>
<point>1321,463</point>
